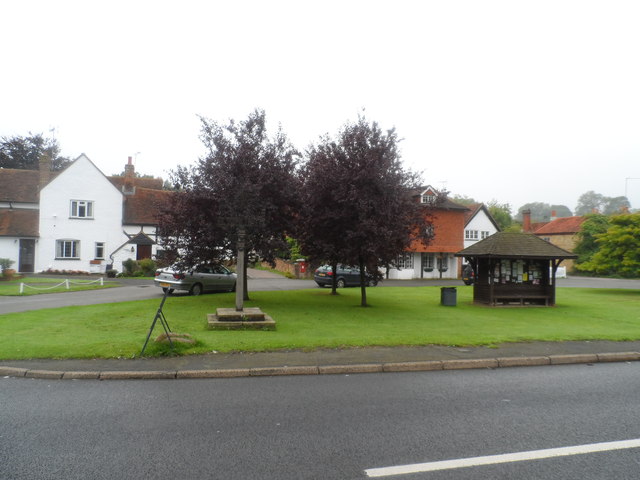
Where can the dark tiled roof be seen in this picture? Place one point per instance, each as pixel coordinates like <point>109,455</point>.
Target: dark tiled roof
<point>143,207</point>
<point>564,225</point>
<point>514,245</point>
<point>472,212</point>
<point>450,205</point>
<point>18,222</point>
<point>141,239</point>
<point>474,209</point>
<point>444,204</point>
<point>19,185</point>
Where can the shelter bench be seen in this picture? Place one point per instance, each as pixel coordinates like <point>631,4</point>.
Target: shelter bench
<point>519,298</point>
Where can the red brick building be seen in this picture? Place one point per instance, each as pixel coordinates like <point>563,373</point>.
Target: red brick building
<point>561,232</point>
<point>435,260</point>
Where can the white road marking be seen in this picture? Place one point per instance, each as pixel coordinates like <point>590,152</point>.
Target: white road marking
<point>504,458</point>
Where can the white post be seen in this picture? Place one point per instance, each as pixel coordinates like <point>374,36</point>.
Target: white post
<point>21,287</point>
<point>66,283</point>
<point>101,281</point>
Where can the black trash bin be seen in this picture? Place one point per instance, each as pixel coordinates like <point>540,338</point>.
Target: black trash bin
<point>448,296</point>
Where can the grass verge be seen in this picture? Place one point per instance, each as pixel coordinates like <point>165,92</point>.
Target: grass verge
<point>310,319</point>
<point>36,286</point>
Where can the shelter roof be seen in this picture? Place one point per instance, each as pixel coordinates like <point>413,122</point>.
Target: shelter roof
<point>514,245</point>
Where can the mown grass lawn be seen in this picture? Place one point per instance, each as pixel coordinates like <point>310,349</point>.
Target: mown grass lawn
<point>309,319</point>
<point>37,285</point>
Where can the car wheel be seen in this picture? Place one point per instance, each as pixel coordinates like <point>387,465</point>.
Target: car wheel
<point>165,289</point>
<point>341,283</point>
<point>196,289</point>
<point>233,289</point>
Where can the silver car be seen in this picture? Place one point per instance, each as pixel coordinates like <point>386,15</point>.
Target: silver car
<point>197,280</point>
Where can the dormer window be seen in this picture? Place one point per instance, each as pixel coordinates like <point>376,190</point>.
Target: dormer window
<point>429,197</point>
<point>81,209</point>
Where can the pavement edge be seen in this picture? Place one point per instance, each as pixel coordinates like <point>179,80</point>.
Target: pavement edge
<point>430,365</point>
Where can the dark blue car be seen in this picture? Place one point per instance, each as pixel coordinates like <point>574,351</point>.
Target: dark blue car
<point>345,277</point>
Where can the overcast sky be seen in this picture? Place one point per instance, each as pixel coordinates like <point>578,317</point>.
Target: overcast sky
<point>517,101</point>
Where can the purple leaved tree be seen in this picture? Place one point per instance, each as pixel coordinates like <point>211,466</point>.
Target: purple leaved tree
<point>357,204</point>
<point>245,183</point>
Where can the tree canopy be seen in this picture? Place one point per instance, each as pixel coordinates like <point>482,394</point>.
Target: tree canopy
<point>245,182</point>
<point>24,152</point>
<point>357,205</point>
<point>586,246</point>
<point>618,248</point>
<point>592,202</point>
<point>501,213</point>
<point>541,212</point>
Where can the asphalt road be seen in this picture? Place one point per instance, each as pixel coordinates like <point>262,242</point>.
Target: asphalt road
<point>134,289</point>
<point>323,427</point>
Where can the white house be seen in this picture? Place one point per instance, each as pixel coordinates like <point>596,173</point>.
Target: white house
<point>77,219</point>
<point>479,224</point>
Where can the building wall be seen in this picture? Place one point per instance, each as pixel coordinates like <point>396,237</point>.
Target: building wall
<point>479,223</point>
<point>448,239</point>
<point>80,181</point>
<point>565,241</point>
<point>10,248</point>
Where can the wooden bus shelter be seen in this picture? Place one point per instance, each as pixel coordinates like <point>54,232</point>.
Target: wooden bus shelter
<point>514,268</point>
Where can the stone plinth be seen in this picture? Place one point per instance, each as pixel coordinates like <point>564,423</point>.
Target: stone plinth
<point>245,319</point>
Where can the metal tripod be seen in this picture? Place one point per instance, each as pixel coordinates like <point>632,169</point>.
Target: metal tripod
<point>163,322</point>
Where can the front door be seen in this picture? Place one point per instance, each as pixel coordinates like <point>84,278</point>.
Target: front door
<point>26,261</point>
<point>144,251</point>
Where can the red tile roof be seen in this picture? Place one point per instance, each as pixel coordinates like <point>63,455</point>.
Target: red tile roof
<point>18,222</point>
<point>143,207</point>
<point>564,225</point>
<point>142,182</point>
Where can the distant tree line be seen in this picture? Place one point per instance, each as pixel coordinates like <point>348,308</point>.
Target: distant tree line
<point>24,152</point>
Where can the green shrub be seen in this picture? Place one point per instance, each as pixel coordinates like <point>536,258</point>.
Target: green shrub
<point>129,266</point>
<point>147,267</point>
<point>5,263</point>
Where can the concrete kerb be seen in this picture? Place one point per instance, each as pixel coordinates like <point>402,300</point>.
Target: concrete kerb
<point>431,365</point>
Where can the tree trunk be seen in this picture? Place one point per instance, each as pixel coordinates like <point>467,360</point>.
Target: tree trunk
<point>334,280</point>
<point>363,282</point>
<point>244,272</point>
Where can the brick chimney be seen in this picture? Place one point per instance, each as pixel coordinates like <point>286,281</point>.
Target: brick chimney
<point>44,167</point>
<point>526,221</point>
<point>129,175</point>
<point>554,215</point>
